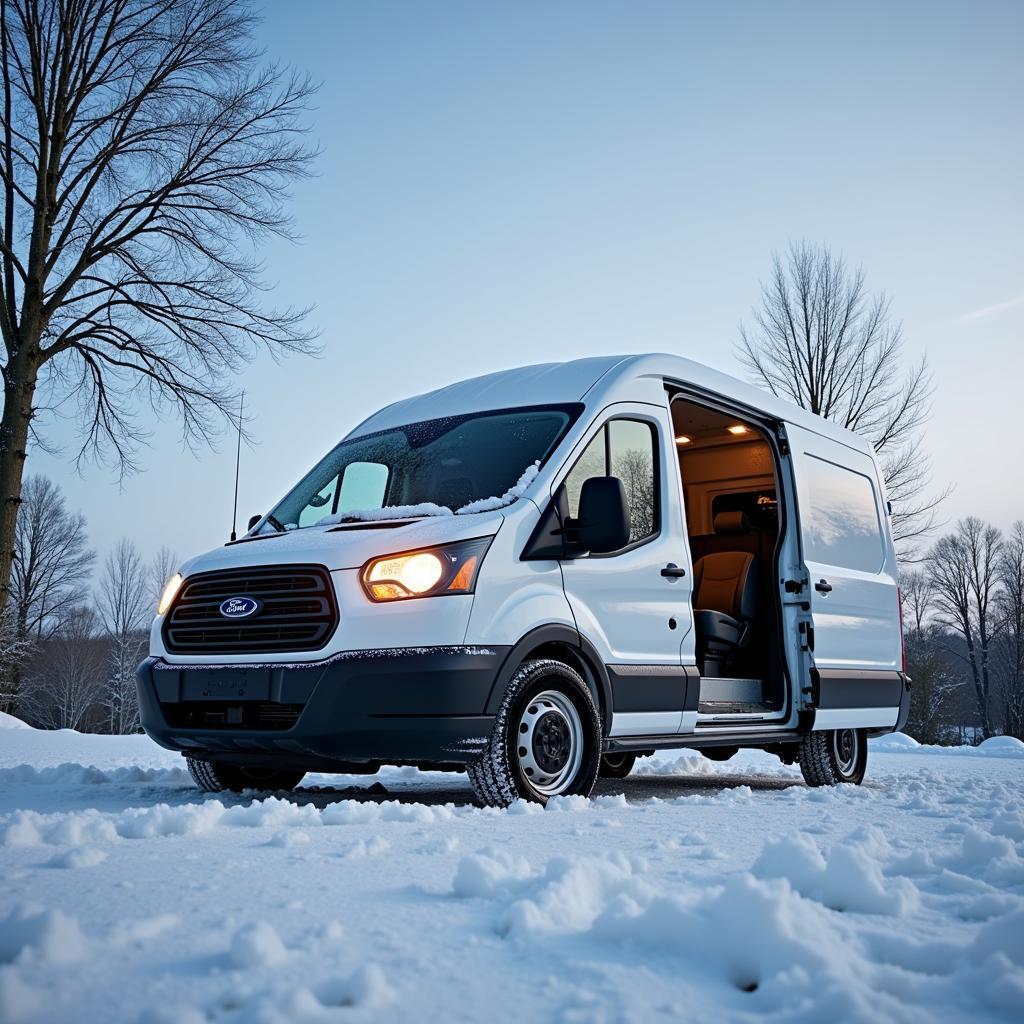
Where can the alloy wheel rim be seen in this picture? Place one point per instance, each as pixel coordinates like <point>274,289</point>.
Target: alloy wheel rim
<point>549,743</point>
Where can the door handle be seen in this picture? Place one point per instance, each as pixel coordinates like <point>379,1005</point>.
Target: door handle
<point>672,571</point>
<point>823,587</point>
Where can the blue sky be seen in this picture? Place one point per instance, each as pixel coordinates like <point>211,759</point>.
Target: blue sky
<point>511,183</point>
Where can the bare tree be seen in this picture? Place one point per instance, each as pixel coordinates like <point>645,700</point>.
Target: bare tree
<point>822,341</point>
<point>1010,661</point>
<point>918,595</point>
<point>15,650</point>
<point>964,571</point>
<point>125,611</point>
<point>52,563</point>
<point>145,150</point>
<point>164,565</point>
<point>52,560</point>
<point>935,686</point>
<point>64,686</point>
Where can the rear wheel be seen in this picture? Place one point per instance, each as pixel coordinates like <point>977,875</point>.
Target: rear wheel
<point>214,777</point>
<point>617,766</point>
<point>546,740</point>
<point>832,756</point>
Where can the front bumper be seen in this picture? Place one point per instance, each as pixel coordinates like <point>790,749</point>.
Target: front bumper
<point>418,705</point>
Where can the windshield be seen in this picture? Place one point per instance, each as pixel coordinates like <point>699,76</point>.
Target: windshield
<point>457,464</point>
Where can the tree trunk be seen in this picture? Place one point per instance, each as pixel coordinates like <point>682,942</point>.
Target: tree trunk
<point>19,392</point>
<point>980,694</point>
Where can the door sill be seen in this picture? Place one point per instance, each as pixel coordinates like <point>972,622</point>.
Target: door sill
<point>754,719</point>
<point>711,713</point>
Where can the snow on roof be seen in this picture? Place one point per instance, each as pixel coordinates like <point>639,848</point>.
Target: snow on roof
<point>542,384</point>
<point>597,377</point>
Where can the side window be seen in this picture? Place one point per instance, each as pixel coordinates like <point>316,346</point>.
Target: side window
<point>626,449</point>
<point>593,462</point>
<point>632,450</point>
<point>841,525</point>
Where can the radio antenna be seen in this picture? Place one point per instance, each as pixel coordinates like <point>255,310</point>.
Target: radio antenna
<point>238,461</point>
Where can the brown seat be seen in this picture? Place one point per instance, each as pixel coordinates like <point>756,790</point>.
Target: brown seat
<point>724,598</point>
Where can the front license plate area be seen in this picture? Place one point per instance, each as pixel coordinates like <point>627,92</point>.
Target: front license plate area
<point>226,684</point>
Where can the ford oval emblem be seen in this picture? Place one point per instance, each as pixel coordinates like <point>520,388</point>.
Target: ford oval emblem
<point>240,607</point>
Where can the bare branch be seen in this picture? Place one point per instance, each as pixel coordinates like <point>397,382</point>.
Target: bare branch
<point>148,151</point>
<point>820,341</point>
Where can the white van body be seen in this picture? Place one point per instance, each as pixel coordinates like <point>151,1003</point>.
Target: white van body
<point>809,660</point>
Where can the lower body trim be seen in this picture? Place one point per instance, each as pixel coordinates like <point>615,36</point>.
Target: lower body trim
<point>855,718</point>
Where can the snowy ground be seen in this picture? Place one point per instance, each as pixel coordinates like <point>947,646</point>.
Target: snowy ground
<point>693,890</point>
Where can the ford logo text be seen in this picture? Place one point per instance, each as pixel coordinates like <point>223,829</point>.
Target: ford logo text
<point>240,607</point>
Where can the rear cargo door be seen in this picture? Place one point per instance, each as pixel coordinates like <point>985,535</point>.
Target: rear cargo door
<point>851,568</point>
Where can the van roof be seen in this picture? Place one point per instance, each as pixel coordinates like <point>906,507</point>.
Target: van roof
<point>593,379</point>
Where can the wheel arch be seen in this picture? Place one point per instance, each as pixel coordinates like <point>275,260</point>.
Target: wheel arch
<point>560,643</point>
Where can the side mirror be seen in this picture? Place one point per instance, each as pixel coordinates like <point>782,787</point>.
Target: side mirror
<point>253,520</point>
<point>603,522</point>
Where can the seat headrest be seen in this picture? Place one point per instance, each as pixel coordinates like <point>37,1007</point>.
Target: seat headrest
<point>732,522</point>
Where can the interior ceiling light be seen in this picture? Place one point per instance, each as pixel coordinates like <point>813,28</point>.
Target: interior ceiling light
<point>737,429</point>
<point>683,439</point>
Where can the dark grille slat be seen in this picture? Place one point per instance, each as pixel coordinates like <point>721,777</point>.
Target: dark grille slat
<point>228,715</point>
<point>297,613</point>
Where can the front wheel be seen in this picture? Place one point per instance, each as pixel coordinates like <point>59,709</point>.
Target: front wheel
<point>546,740</point>
<point>831,756</point>
<point>214,777</point>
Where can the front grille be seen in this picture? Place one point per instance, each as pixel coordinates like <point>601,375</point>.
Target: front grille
<point>222,714</point>
<point>297,611</point>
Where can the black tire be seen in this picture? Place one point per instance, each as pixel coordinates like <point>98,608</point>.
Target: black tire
<point>565,732</point>
<point>617,766</point>
<point>213,777</point>
<point>829,757</point>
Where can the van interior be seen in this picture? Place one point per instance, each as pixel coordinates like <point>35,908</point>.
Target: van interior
<point>730,491</point>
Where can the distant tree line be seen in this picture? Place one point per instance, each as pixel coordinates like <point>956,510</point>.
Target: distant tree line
<point>71,639</point>
<point>963,614</point>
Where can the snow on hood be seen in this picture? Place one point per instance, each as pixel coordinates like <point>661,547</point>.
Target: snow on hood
<point>345,547</point>
<point>348,541</point>
<point>428,508</point>
<point>516,491</point>
<point>381,515</point>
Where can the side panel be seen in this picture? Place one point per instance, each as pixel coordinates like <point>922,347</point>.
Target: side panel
<point>513,596</point>
<point>852,583</point>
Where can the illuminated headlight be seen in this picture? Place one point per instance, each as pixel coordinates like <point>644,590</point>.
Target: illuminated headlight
<point>173,584</point>
<point>451,569</point>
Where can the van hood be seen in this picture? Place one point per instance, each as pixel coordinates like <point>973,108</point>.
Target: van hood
<point>345,547</point>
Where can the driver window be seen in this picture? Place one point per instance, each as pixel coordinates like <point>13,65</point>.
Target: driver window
<point>627,449</point>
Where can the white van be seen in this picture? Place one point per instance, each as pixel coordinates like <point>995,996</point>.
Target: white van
<point>538,576</point>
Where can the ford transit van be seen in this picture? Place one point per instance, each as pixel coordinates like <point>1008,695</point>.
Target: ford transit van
<point>537,576</point>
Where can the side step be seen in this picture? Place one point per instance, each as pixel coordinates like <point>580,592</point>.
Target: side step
<point>730,691</point>
<point>733,708</point>
<point>753,738</point>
